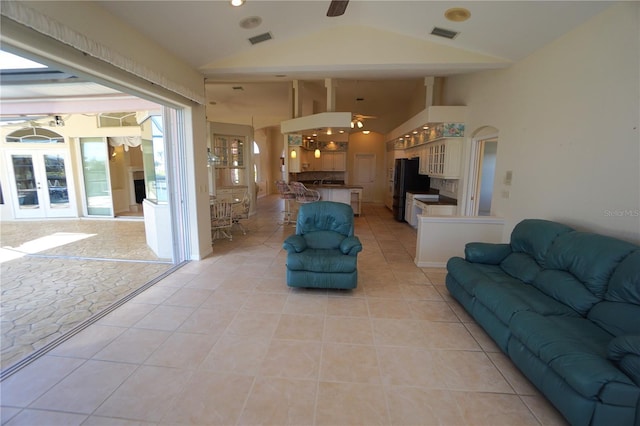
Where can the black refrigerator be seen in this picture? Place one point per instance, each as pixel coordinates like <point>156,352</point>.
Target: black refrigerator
<point>406,178</point>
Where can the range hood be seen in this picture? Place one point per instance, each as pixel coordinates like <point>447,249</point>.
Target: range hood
<point>324,122</point>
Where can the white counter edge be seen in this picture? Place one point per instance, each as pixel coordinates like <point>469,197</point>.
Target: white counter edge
<point>462,219</point>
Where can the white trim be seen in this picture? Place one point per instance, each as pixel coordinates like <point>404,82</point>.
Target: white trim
<point>43,24</point>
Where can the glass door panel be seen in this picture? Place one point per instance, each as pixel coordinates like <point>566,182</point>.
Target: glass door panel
<point>26,185</point>
<point>95,167</point>
<point>55,171</point>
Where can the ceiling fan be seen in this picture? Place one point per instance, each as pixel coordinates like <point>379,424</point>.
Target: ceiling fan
<point>337,7</point>
<point>357,120</point>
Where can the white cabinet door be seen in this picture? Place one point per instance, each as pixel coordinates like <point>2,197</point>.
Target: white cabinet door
<point>443,158</point>
<point>440,210</point>
<point>334,161</point>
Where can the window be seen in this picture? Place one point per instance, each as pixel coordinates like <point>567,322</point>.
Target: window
<point>34,135</point>
<point>153,155</point>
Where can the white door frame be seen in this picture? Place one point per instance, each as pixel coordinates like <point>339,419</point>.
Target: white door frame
<point>473,178</point>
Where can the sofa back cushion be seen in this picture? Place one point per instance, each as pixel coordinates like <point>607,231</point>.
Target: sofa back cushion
<point>521,266</point>
<point>566,288</point>
<point>535,236</point>
<point>619,313</point>
<point>590,258</point>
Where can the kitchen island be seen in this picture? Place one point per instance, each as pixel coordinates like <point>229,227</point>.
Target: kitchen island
<point>341,193</point>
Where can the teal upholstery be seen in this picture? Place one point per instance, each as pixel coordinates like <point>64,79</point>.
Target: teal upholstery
<point>323,253</point>
<point>564,305</point>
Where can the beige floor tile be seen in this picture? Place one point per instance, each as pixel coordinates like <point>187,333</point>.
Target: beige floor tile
<point>88,342</point>
<point>389,308</point>
<point>208,321</point>
<point>484,340</point>
<point>445,335</point>
<point>431,310</point>
<point>306,302</point>
<point>516,379</point>
<point>292,359</point>
<point>300,327</point>
<point>146,394</point>
<point>348,330</point>
<point>190,297</point>
<point>236,354</point>
<point>110,421</point>
<point>85,388</point>
<point>127,315</point>
<point>227,299</point>
<point>411,367</point>
<point>265,302</point>
<point>253,324</point>
<point>182,350</point>
<point>544,411</point>
<point>492,409</point>
<point>351,404</point>
<point>278,401</point>
<point>155,295</point>
<point>471,371</point>
<point>167,318</point>
<point>22,388</point>
<point>347,306</point>
<point>210,398</point>
<point>420,292</point>
<point>349,363</point>
<point>134,346</point>
<point>418,406</point>
<point>41,417</point>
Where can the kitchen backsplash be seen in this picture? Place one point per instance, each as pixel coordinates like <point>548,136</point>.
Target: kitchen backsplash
<point>447,187</point>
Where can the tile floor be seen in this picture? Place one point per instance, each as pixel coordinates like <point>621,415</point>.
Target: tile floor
<point>223,341</point>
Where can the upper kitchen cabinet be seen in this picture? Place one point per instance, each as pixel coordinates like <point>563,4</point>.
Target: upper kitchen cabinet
<point>334,161</point>
<point>443,158</point>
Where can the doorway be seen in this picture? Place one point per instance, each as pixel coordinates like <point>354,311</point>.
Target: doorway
<point>484,151</point>
<point>41,184</point>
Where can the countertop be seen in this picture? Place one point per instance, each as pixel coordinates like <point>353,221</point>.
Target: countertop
<point>442,201</point>
<point>333,186</point>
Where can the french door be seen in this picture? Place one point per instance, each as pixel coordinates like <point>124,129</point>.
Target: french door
<point>41,184</point>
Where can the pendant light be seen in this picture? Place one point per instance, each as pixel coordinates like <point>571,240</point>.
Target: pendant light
<point>294,154</point>
<point>316,153</point>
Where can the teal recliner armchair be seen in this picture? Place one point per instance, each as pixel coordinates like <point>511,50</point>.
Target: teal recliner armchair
<point>323,253</point>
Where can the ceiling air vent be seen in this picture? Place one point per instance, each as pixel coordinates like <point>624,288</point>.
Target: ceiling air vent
<point>441,32</point>
<point>260,38</point>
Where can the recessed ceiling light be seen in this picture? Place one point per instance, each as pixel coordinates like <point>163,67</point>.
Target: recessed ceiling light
<point>366,132</point>
<point>237,2</point>
<point>250,22</point>
<point>457,14</point>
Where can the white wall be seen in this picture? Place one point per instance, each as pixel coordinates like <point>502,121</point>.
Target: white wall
<point>568,121</point>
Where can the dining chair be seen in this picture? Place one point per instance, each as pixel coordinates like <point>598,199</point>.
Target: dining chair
<point>221,220</point>
<point>240,211</point>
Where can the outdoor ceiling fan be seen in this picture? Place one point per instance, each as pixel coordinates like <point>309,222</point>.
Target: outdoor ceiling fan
<point>337,7</point>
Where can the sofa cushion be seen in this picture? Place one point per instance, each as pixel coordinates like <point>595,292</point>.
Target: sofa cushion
<point>624,285</point>
<point>323,239</point>
<point>564,287</point>
<point>505,300</point>
<point>616,318</point>
<point>573,347</point>
<point>591,258</point>
<point>535,236</point>
<point>625,350</point>
<point>321,260</point>
<point>521,266</point>
<point>489,253</point>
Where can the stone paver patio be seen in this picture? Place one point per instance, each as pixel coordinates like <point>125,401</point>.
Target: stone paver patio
<point>56,274</point>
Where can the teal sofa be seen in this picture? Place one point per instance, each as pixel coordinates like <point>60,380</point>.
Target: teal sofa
<point>564,306</point>
<point>323,253</point>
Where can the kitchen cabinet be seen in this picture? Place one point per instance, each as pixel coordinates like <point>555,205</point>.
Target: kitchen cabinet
<point>350,196</point>
<point>444,158</point>
<point>440,210</point>
<point>334,161</point>
<point>309,162</point>
<point>356,201</point>
<point>423,155</point>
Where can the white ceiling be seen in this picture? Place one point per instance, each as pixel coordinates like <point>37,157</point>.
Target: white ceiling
<point>378,50</point>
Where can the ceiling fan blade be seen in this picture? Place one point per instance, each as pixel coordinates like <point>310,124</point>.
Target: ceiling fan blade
<point>337,7</point>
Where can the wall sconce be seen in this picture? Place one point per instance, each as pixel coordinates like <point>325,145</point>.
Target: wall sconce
<point>294,154</point>
<point>316,153</point>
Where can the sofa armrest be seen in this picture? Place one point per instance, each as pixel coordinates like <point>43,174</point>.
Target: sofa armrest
<point>625,351</point>
<point>351,246</point>
<point>488,253</point>
<point>294,244</point>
